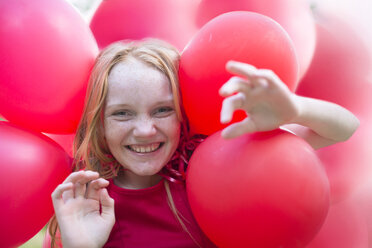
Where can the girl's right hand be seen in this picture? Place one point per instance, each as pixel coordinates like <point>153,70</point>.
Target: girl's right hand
<point>84,210</point>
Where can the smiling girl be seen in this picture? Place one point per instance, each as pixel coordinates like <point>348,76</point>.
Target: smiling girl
<point>132,142</point>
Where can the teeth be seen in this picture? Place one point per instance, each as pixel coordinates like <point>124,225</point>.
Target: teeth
<point>144,148</point>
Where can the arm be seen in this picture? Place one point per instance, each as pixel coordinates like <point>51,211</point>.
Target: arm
<point>322,123</point>
<point>84,210</point>
<point>270,105</point>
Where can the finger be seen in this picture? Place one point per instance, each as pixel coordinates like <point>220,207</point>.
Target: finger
<point>234,85</point>
<point>241,69</point>
<point>239,128</point>
<point>261,83</point>
<point>270,77</point>
<point>81,177</point>
<point>229,105</point>
<point>93,189</point>
<point>80,189</point>
<point>107,204</point>
<point>57,194</point>
<point>257,77</point>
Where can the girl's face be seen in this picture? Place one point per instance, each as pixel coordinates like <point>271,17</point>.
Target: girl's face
<point>141,126</point>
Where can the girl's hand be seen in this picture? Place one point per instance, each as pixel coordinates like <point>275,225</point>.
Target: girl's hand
<point>77,203</point>
<point>261,94</point>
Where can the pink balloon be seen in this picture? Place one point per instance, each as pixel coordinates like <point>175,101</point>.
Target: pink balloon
<point>243,36</point>
<point>46,51</point>
<point>343,228</point>
<point>258,190</point>
<point>363,198</point>
<point>294,16</point>
<point>31,166</point>
<point>173,21</point>
<point>338,74</point>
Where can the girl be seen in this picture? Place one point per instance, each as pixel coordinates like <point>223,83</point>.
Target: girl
<point>132,142</point>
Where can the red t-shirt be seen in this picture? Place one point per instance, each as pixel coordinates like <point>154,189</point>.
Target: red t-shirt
<point>144,219</point>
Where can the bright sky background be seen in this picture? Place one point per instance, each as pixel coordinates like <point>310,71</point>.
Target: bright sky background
<point>86,7</point>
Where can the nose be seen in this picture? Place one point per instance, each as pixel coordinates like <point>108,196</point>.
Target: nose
<point>144,127</point>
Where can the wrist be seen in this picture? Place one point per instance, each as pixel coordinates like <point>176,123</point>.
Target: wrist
<point>299,116</point>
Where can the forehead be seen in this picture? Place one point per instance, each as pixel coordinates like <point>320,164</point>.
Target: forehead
<point>133,81</point>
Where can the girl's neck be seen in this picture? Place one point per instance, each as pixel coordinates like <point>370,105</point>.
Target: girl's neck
<point>129,180</point>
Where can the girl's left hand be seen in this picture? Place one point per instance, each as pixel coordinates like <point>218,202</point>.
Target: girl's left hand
<point>261,94</point>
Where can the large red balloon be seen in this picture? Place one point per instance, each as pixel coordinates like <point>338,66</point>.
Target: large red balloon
<point>294,16</point>
<point>173,21</point>
<point>344,228</point>
<point>46,52</point>
<point>31,166</point>
<point>259,190</point>
<point>64,140</point>
<point>339,74</point>
<point>242,36</point>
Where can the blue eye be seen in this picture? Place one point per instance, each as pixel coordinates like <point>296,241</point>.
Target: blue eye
<point>123,114</point>
<point>163,111</point>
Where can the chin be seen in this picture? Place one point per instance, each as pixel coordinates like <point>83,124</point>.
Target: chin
<point>149,171</point>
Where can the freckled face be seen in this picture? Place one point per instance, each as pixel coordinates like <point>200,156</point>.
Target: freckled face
<point>141,126</point>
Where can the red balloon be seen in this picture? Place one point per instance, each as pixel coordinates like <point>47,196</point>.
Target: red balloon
<point>31,166</point>
<point>340,58</point>
<point>46,53</point>
<point>294,16</point>
<point>173,21</point>
<point>344,228</point>
<point>242,36</point>
<point>339,74</point>
<point>259,190</point>
<point>64,140</point>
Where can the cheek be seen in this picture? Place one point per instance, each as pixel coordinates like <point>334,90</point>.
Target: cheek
<point>114,132</point>
<point>175,132</point>
<point>108,131</point>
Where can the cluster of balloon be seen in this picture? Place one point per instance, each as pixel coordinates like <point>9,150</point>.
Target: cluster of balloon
<point>344,227</point>
<point>243,36</point>
<point>47,51</point>
<point>31,166</point>
<point>294,16</point>
<point>169,20</point>
<point>45,63</point>
<point>338,74</point>
<point>259,190</point>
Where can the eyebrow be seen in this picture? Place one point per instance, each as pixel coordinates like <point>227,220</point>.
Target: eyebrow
<point>165,102</point>
<point>117,105</point>
<point>170,101</point>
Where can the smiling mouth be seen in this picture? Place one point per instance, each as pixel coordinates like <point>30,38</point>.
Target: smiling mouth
<point>145,148</point>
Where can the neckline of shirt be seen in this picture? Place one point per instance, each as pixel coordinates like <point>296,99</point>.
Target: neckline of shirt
<point>125,191</point>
